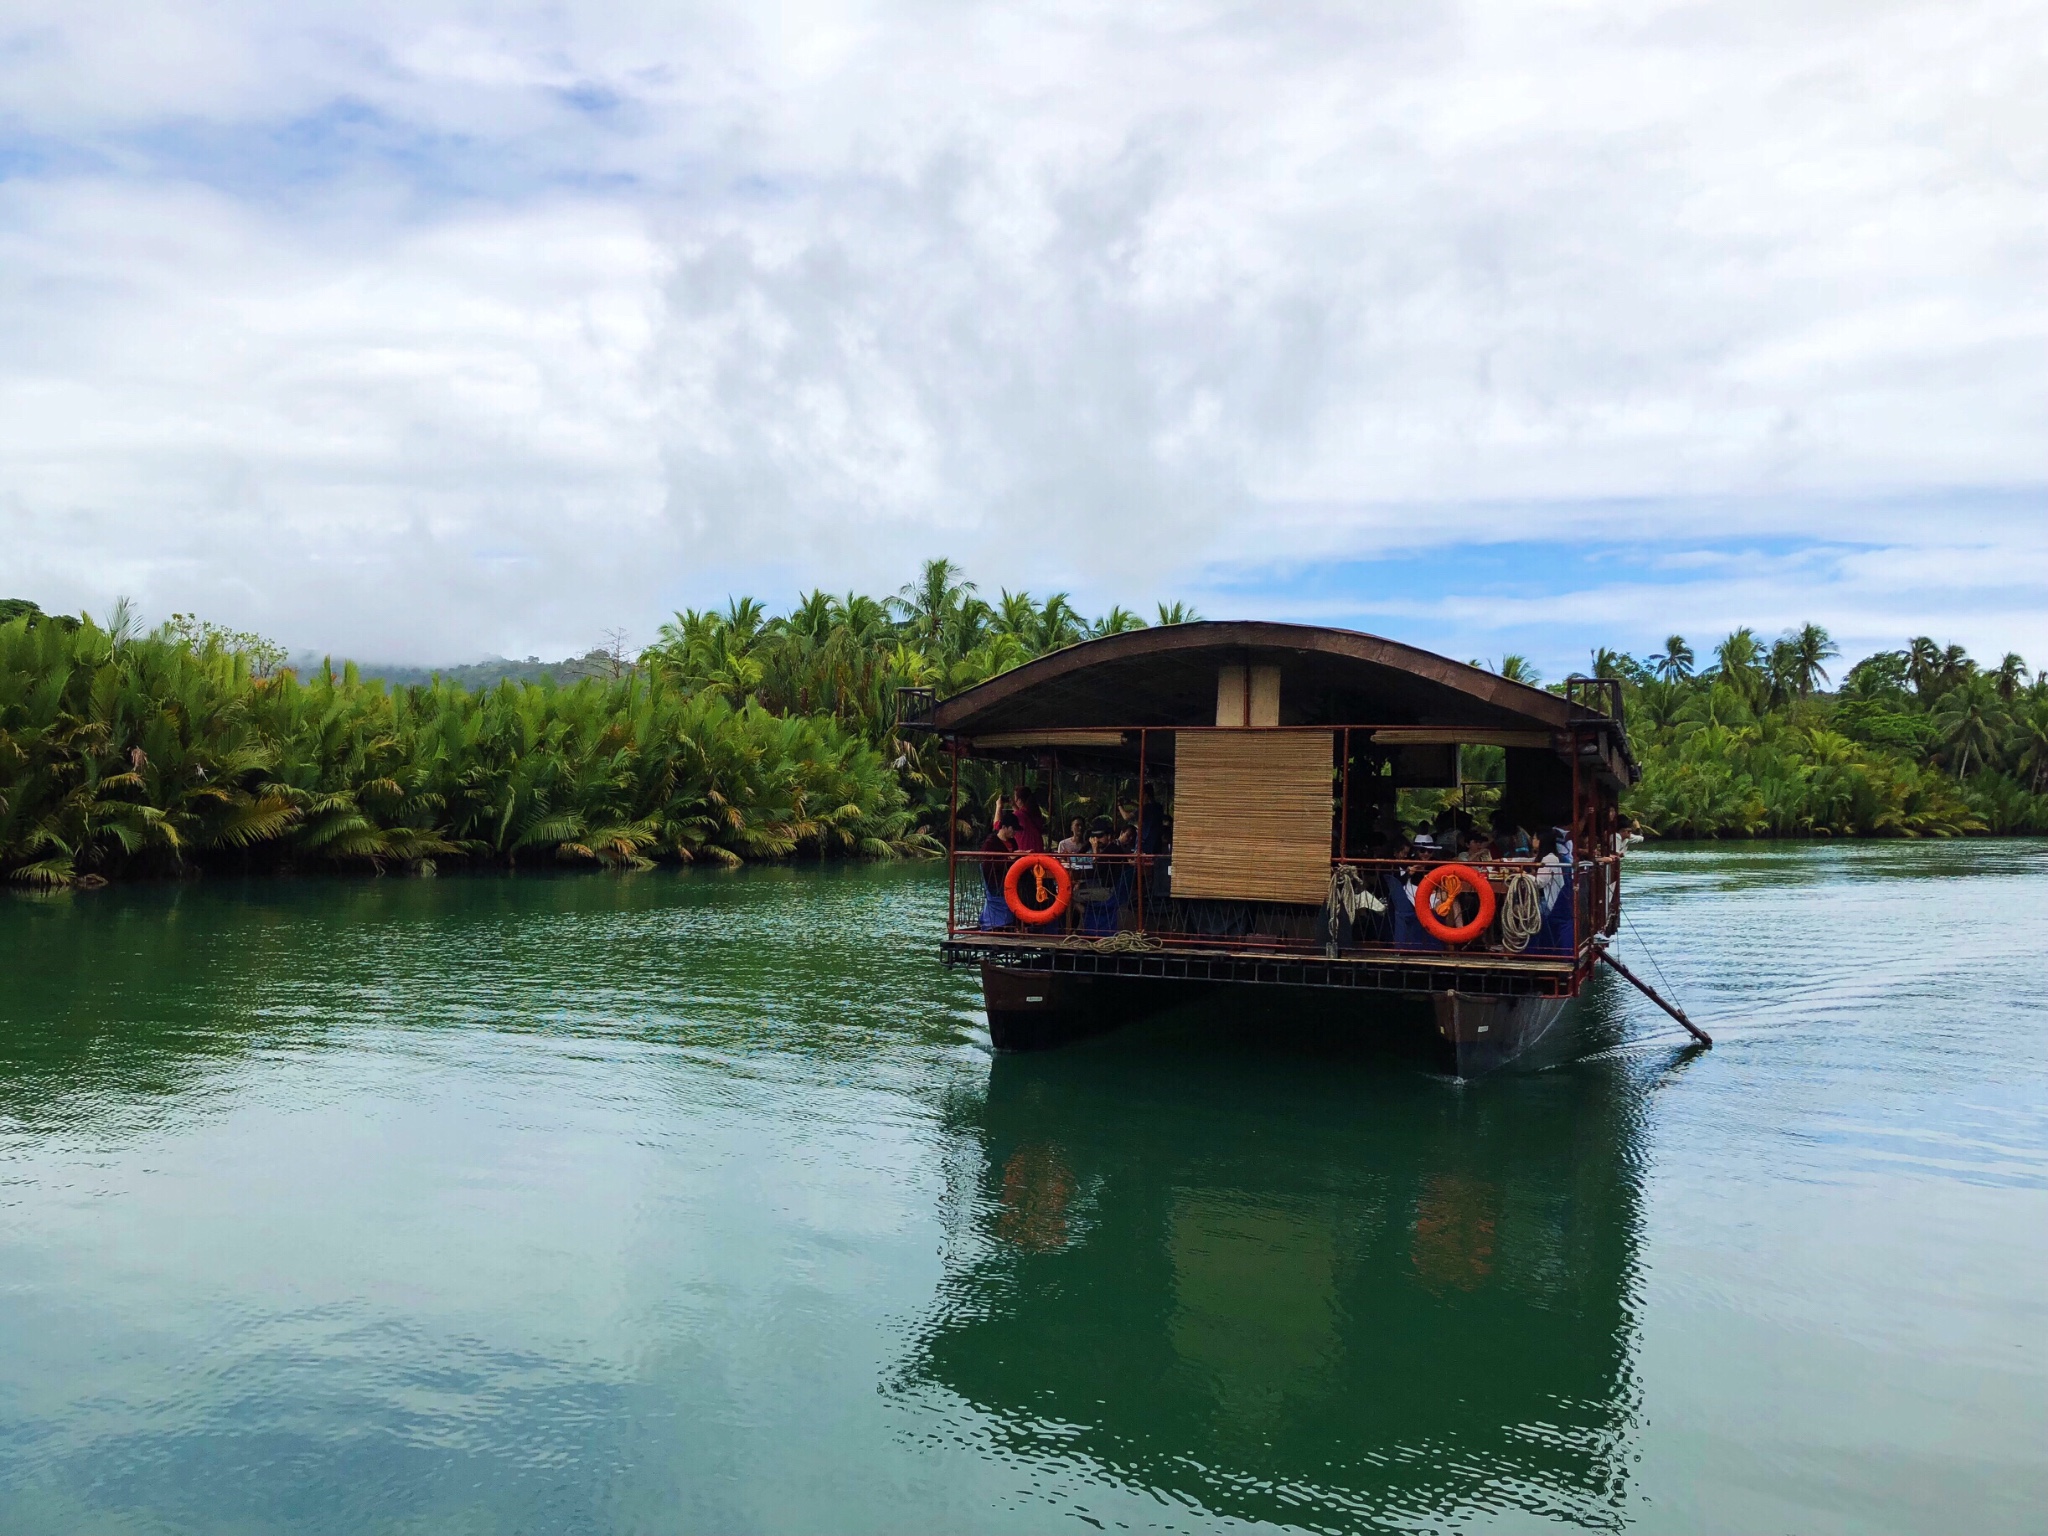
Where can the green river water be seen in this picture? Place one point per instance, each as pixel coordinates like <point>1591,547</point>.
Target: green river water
<point>696,1202</point>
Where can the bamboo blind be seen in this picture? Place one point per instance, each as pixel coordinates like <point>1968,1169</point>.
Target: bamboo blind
<point>1252,814</point>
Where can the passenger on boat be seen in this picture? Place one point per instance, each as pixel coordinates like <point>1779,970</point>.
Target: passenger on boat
<point>1101,896</point>
<point>1549,870</point>
<point>1420,854</point>
<point>996,850</point>
<point>1076,840</point>
<point>1152,826</point>
<point>1029,822</point>
<point>1553,889</point>
<point>1478,850</point>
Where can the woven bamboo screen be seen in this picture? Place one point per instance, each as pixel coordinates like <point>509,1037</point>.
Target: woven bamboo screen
<point>1251,815</point>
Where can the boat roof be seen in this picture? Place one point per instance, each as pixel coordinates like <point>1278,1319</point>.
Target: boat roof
<point>1166,677</point>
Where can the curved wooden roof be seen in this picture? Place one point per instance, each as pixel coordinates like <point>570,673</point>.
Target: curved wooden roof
<point>1167,677</point>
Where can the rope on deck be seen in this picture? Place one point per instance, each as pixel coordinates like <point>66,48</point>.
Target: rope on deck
<point>1125,942</point>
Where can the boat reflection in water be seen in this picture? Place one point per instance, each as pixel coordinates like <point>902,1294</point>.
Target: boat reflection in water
<point>1295,1289</point>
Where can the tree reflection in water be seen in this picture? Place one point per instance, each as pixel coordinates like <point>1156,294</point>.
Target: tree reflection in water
<point>1298,1290</point>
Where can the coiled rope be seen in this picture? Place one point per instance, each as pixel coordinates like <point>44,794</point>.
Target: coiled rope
<point>1521,912</point>
<point>1125,941</point>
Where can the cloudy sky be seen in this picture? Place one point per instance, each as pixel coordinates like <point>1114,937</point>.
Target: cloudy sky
<point>423,331</point>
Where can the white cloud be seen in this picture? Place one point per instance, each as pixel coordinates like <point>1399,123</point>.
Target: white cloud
<point>416,331</point>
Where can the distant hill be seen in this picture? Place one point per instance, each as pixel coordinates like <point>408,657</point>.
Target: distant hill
<point>480,674</point>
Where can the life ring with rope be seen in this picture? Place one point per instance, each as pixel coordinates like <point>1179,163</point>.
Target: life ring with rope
<point>1438,893</point>
<point>1037,889</point>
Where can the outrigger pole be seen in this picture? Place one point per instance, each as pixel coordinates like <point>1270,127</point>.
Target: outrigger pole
<point>1642,986</point>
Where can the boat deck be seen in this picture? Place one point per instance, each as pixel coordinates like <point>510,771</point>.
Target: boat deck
<point>1484,974</point>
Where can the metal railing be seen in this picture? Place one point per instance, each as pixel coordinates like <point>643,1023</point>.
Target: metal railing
<point>1124,898</point>
<point>914,708</point>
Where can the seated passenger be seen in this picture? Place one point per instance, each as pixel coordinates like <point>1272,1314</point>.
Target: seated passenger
<point>1478,850</point>
<point>1101,896</point>
<point>1076,840</point>
<point>1408,932</point>
<point>1126,837</point>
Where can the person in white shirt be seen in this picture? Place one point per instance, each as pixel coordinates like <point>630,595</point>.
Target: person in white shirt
<point>1625,835</point>
<point>1076,840</point>
<point>1549,872</point>
<point>1562,838</point>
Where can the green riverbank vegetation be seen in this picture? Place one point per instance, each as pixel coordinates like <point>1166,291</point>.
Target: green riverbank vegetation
<point>1750,741</point>
<point>743,735</point>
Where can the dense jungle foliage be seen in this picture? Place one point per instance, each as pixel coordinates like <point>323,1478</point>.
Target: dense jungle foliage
<point>736,736</point>
<point>743,735</point>
<point>1920,742</point>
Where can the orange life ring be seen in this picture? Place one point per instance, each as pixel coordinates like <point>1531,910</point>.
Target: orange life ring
<point>1430,898</point>
<point>1039,865</point>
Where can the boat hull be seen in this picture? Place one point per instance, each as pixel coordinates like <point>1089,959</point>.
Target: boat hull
<point>1484,1034</point>
<point>1469,1035</point>
<point>1031,1010</point>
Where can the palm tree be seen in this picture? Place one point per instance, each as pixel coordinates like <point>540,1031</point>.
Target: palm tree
<point>936,596</point>
<point>1956,665</point>
<point>1968,717</point>
<point>1674,663</point>
<point>1923,666</point>
<point>744,617</point>
<point>1781,668</point>
<point>1177,613</point>
<point>1016,614</point>
<point>1810,647</point>
<point>2028,744</point>
<point>2011,676</point>
<point>1739,657</point>
<point>1516,669</point>
<point>1115,622</point>
<point>1058,625</point>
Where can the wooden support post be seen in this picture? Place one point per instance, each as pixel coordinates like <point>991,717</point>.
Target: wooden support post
<point>1138,831</point>
<point>953,844</point>
<point>1344,801</point>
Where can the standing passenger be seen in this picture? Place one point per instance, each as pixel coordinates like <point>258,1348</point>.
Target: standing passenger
<point>1030,825</point>
<point>995,851</point>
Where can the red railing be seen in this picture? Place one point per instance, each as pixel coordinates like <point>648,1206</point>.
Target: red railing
<point>1371,911</point>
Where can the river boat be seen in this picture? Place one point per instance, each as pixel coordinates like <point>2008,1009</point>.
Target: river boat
<point>1262,766</point>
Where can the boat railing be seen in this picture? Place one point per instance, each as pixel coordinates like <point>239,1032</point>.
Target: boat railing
<point>914,708</point>
<point>1125,900</point>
